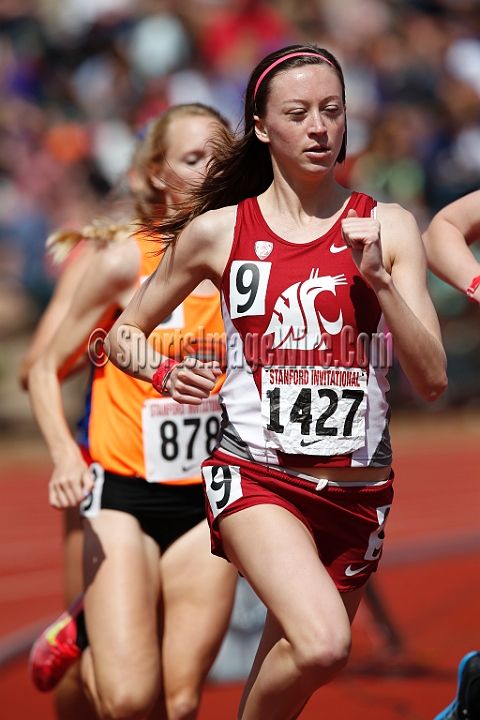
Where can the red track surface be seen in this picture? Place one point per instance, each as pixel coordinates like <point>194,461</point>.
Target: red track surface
<point>430,578</point>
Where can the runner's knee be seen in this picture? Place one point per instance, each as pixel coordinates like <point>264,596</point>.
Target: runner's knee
<point>183,705</point>
<point>126,701</point>
<point>325,653</point>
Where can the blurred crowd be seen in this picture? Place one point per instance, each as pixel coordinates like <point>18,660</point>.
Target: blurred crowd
<point>80,78</point>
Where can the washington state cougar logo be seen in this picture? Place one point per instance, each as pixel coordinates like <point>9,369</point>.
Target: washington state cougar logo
<point>295,322</point>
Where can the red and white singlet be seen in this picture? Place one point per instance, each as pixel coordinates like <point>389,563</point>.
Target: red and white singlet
<point>307,357</point>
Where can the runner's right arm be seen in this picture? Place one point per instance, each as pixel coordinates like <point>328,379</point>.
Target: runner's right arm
<point>201,253</point>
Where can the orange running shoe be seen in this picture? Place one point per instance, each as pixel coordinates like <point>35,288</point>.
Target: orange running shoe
<point>55,650</point>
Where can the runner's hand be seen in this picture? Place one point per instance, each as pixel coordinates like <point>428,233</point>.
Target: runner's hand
<point>71,481</point>
<point>192,381</point>
<point>362,236</point>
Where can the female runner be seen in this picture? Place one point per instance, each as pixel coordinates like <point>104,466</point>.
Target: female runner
<point>447,242</point>
<point>300,485</point>
<point>143,540</point>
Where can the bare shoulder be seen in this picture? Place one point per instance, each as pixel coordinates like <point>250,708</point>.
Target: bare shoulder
<point>401,238</point>
<point>206,242</point>
<point>116,264</point>
<point>213,224</point>
<point>396,219</point>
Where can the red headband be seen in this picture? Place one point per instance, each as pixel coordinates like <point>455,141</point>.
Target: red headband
<point>287,57</point>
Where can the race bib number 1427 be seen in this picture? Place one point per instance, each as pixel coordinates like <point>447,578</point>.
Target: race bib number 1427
<point>314,411</point>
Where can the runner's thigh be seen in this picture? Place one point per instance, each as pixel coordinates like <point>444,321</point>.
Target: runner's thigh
<point>275,552</point>
<point>122,586</point>
<point>198,592</point>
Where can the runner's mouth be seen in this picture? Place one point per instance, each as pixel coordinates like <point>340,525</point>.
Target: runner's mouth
<point>322,150</point>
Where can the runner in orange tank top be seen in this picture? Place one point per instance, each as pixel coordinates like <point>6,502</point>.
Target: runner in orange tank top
<point>115,439</point>
<point>148,567</point>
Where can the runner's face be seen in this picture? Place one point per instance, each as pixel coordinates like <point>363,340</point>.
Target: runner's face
<point>304,121</point>
<point>187,152</point>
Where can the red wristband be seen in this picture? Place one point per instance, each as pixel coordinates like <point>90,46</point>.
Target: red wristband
<point>473,286</point>
<point>161,375</point>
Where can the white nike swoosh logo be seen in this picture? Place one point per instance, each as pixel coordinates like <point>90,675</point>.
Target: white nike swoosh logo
<point>335,249</point>
<point>349,572</point>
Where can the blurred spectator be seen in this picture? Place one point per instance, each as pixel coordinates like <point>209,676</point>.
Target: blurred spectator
<point>388,169</point>
<point>79,78</point>
<point>241,33</point>
<point>235,38</point>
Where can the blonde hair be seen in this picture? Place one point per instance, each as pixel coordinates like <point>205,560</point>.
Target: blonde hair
<point>148,200</point>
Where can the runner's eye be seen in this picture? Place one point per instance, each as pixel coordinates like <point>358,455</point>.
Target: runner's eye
<point>193,158</point>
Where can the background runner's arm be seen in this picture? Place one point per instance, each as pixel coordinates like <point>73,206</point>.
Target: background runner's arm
<point>97,297</point>
<point>56,311</point>
<point>403,295</point>
<point>447,241</point>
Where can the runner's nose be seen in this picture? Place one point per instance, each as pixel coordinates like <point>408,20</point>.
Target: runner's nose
<point>317,125</point>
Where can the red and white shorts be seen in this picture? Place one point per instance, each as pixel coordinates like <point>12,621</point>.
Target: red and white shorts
<point>346,521</point>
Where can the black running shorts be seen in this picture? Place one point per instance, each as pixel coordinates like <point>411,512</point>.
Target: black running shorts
<point>164,511</point>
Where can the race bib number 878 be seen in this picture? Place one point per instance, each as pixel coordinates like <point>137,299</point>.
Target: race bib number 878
<point>314,411</point>
<point>177,438</point>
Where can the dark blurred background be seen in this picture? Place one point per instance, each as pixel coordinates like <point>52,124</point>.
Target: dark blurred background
<point>79,78</point>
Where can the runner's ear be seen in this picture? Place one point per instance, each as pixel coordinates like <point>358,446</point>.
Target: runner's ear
<point>260,129</point>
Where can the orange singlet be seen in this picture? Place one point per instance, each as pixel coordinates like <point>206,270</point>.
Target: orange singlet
<point>135,432</point>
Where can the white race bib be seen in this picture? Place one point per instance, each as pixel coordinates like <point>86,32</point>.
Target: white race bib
<point>177,438</point>
<point>314,411</point>
<point>248,287</point>
<point>223,484</point>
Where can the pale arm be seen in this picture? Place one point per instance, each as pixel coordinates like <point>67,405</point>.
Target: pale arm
<point>56,310</point>
<point>447,241</point>
<point>402,294</point>
<point>98,295</point>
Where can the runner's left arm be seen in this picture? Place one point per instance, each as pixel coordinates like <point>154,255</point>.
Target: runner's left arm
<point>398,275</point>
